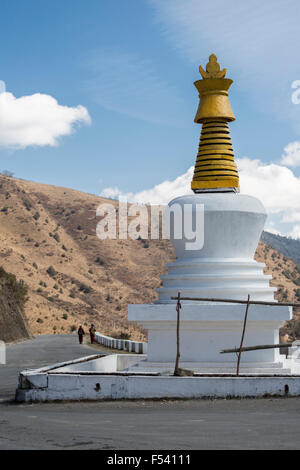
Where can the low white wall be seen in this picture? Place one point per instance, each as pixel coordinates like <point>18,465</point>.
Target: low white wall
<point>51,387</point>
<point>121,344</point>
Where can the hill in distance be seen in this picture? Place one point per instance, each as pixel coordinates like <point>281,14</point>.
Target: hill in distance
<point>286,245</point>
<point>48,240</point>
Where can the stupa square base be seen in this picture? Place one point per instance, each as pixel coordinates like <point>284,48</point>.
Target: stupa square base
<point>208,328</point>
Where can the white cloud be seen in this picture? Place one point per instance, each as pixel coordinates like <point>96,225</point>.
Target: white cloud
<point>2,86</point>
<point>275,185</point>
<point>271,228</point>
<point>295,233</point>
<point>291,155</point>
<point>292,216</point>
<point>36,120</point>
<point>160,194</point>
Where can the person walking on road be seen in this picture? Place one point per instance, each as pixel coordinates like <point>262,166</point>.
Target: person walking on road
<point>92,331</point>
<point>81,333</point>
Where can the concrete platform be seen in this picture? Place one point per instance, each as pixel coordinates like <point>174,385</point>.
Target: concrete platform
<point>118,377</point>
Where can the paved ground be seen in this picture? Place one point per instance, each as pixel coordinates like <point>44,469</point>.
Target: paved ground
<point>43,350</point>
<point>193,424</point>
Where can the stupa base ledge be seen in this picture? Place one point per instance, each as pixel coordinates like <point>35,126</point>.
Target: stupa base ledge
<point>206,329</point>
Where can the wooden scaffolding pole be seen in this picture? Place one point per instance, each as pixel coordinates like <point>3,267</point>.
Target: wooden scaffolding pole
<point>242,338</point>
<point>256,348</point>
<point>178,307</point>
<point>234,301</point>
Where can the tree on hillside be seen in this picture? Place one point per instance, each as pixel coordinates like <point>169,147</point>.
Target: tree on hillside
<point>8,173</point>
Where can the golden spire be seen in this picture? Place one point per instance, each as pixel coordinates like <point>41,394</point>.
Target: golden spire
<point>212,69</point>
<point>215,167</point>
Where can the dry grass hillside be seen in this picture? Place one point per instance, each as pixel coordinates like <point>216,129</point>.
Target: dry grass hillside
<point>48,240</point>
<point>13,296</point>
<point>286,277</point>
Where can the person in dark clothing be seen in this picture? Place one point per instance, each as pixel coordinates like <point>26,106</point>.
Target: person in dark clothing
<point>81,333</point>
<point>92,331</point>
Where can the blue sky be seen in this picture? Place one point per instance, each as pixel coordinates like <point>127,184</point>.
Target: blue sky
<point>110,99</point>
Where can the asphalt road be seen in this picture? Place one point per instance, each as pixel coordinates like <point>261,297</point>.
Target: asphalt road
<point>41,351</point>
<point>192,424</point>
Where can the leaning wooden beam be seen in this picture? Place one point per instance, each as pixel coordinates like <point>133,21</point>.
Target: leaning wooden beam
<point>255,348</point>
<point>178,307</point>
<point>242,339</point>
<point>234,301</point>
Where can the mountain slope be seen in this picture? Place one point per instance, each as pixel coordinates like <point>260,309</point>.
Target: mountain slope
<point>287,246</point>
<point>48,239</point>
<point>13,295</point>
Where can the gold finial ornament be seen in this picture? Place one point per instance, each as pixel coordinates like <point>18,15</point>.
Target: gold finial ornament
<point>213,69</point>
<point>215,167</point>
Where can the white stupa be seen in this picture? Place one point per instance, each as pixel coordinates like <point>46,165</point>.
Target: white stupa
<point>221,265</point>
<point>223,268</point>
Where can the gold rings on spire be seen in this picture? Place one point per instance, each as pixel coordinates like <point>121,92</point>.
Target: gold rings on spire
<point>215,167</point>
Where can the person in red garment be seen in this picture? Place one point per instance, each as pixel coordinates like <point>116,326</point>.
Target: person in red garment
<point>92,331</point>
<point>81,333</point>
